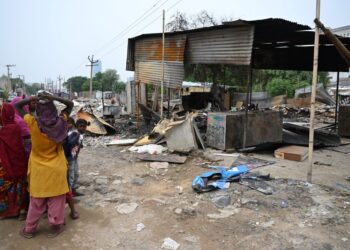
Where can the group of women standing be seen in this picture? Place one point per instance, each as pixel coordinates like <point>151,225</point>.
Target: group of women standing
<point>33,168</point>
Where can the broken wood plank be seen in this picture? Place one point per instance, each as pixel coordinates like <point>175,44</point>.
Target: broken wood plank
<point>292,153</point>
<point>121,142</point>
<point>163,158</point>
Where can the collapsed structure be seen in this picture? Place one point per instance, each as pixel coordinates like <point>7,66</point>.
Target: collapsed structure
<point>260,44</point>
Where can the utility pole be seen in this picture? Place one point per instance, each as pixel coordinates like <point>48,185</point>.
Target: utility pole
<point>59,78</point>
<point>9,74</point>
<point>23,83</point>
<point>162,83</point>
<point>91,65</point>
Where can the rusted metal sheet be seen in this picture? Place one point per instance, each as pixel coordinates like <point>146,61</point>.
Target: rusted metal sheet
<point>224,46</point>
<point>148,60</point>
<point>96,125</point>
<point>150,49</point>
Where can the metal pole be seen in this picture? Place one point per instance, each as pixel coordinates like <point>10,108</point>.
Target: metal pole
<point>90,89</point>
<point>162,83</point>
<point>336,103</point>
<point>168,102</point>
<point>313,94</point>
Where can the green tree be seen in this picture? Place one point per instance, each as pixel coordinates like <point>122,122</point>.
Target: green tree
<point>279,86</point>
<point>77,83</point>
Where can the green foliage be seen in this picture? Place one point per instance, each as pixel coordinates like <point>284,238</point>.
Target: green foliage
<point>77,83</point>
<point>106,81</point>
<point>279,86</point>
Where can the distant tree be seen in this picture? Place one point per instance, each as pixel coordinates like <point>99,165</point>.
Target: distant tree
<point>119,87</point>
<point>179,22</point>
<point>106,81</point>
<point>203,19</point>
<point>109,79</point>
<point>77,83</point>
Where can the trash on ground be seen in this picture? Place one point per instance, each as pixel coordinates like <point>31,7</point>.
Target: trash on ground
<point>209,181</point>
<point>150,149</point>
<point>140,227</point>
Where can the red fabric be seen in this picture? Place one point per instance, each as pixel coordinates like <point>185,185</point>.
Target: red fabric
<point>12,154</point>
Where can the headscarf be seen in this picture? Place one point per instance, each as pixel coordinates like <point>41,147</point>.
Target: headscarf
<point>12,154</point>
<point>19,120</point>
<point>54,126</point>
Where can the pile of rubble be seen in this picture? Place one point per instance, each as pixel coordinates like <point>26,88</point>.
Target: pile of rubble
<point>324,113</point>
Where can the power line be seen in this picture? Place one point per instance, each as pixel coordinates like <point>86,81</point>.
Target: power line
<point>146,26</point>
<point>144,16</point>
<point>115,37</point>
<point>130,27</point>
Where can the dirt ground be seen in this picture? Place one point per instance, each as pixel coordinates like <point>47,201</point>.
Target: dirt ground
<point>297,215</point>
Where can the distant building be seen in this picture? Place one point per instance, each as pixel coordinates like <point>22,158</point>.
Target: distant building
<point>342,31</point>
<point>97,68</point>
<point>4,83</point>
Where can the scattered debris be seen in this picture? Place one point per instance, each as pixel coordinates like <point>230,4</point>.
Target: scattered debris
<point>182,138</point>
<point>295,134</point>
<point>170,244</point>
<point>140,227</point>
<point>224,213</point>
<point>121,142</point>
<point>150,149</point>
<point>283,204</point>
<point>257,182</point>
<point>138,181</point>
<point>163,158</point>
<point>218,179</point>
<point>127,208</point>
<point>178,211</point>
<point>96,125</point>
<point>159,165</point>
<point>292,153</point>
<point>323,163</point>
<point>221,200</point>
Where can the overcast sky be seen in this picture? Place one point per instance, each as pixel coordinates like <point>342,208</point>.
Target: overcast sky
<point>47,38</point>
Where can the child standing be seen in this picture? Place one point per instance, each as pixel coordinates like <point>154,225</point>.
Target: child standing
<point>74,143</point>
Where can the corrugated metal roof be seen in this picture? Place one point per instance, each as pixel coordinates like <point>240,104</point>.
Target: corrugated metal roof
<point>273,44</point>
<point>225,46</point>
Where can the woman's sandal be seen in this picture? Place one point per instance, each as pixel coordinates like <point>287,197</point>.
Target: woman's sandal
<point>74,216</point>
<point>55,231</point>
<point>22,216</point>
<point>25,234</point>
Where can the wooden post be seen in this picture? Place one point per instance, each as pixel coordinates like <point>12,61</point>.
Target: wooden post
<point>155,99</point>
<point>313,94</point>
